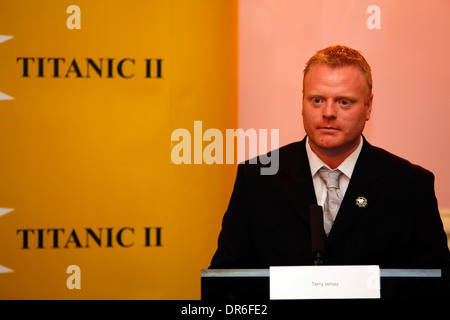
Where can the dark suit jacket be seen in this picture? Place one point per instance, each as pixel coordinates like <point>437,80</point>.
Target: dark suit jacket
<point>267,220</point>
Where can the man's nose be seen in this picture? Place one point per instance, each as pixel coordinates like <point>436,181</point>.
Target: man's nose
<point>329,110</point>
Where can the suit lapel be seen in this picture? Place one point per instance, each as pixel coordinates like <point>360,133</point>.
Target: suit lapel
<point>361,185</point>
<point>297,185</point>
<point>296,181</point>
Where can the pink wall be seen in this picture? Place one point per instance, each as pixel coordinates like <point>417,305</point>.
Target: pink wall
<point>410,62</point>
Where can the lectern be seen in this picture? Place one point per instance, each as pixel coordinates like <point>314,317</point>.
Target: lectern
<point>254,284</point>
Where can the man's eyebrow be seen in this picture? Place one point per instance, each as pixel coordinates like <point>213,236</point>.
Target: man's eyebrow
<point>339,97</point>
<point>346,97</point>
<point>313,94</point>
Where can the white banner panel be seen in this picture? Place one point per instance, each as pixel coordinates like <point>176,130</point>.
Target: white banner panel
<point>325,282</point>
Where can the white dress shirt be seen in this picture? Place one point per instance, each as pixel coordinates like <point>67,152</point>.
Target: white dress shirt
<point>346,167</point>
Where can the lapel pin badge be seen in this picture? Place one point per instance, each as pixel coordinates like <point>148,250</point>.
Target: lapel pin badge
<point>361,202</point>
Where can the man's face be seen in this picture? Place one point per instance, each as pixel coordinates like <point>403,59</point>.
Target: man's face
<point>335,109</point>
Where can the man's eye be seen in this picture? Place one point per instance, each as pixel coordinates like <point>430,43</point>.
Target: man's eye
<point>345,102</point>
<point>316,100</point>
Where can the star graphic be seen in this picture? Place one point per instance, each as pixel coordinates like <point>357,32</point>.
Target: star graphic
<point>5,38</point>
<point>4,211</point>
<point>4,96</point>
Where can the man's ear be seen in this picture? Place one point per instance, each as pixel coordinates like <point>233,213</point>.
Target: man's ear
<point>369,107</point>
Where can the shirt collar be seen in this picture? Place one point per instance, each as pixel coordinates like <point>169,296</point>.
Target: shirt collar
<point>346,167</point>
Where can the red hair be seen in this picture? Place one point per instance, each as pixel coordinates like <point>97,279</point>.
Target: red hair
<point>340,56</point>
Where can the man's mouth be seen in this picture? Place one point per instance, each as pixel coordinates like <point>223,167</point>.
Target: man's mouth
<point>328,128</point>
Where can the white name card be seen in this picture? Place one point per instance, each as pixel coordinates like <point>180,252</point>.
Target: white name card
<point>325,282</point>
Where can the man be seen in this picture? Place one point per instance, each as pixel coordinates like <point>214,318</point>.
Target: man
<point>380,209</point>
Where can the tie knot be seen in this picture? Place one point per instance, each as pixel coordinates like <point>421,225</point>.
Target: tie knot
<point>330,177</point>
